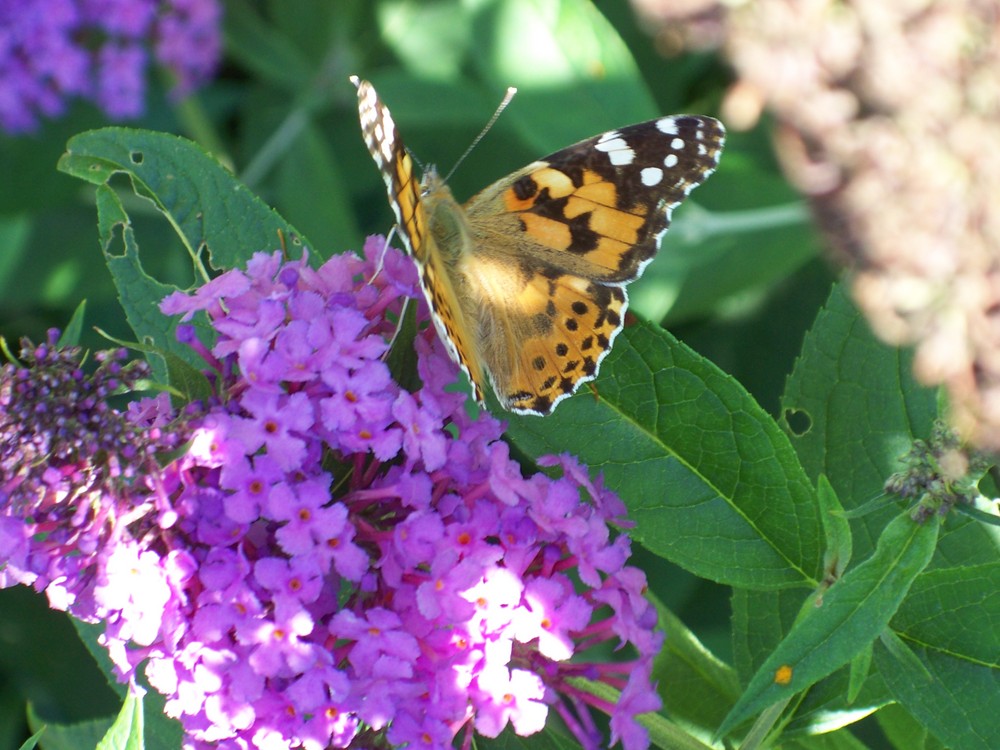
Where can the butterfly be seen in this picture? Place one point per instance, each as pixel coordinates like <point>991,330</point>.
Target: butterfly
<point>526,282</point>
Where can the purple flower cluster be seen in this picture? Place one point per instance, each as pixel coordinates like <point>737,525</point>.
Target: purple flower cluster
<point>336,561</point>
<point>53,50</point>
<point>70,462</point>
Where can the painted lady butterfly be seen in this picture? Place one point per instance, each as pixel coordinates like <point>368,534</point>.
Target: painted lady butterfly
<point>526,282</point>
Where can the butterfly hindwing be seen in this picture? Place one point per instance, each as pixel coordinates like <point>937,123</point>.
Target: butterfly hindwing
<point>541,345</point>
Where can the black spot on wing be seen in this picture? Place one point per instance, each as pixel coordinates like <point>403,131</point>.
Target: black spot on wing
<point>542,404</point>
<point>583,239</point>
<point>524,187</point>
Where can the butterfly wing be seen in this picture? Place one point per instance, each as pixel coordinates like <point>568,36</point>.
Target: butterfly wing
<point>543,331</point>
<point>409,201</point>
<point>556,242</point>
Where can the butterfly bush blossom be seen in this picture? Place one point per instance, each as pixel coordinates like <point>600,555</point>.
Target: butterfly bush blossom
<point>54,50</point>
<point>329,560</point>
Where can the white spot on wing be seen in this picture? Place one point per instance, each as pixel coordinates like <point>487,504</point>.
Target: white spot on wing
<point>616,148</point>
<point>677,144</point>
<point>671,161</point>
<point>622,158</point>
<point>667,125</point>
<point>651,176</point>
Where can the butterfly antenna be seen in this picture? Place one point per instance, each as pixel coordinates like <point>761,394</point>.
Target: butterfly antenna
<point>475,141</point>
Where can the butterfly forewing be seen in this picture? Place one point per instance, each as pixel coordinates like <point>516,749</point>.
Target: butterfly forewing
<point>394,164</point>
<point>409,202</point>
<point>607,200</point>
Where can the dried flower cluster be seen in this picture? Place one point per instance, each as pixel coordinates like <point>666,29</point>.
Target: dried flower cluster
<point>938,474</point>
<point>888,120</point>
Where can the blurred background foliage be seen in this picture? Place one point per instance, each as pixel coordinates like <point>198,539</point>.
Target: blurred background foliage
<point>738,278</point>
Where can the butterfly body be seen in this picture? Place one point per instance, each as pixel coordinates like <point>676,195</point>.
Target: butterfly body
<point>526,281</point>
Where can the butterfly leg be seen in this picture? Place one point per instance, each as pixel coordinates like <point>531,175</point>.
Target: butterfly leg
<point>593,390</point>
<point>381,255</point>
<point>399,323</point>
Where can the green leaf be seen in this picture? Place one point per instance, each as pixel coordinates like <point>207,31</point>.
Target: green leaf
<point>836,530</point>
<point>860,666</point>
<point>80,734</point>
<point>955,610</point>
<point>191,382</point>
<point>855,610</point>
<point>139,293</point>
<point>261,49</point>
<point>696,687</point>
<point>402,356</point>
<point>842,740</point>
<point>760,621</point>
<point>576,62</point>
<point>828,705</point>
<point>430,39</point>
<point>959,705</point>
<point>74,328</point>
<point>127,731</point>
<point>905,732</point>
<point>717,260</point>
<point>32,741</point>
<point>547,739</point>
<point>161,732</point>
<point>708,477</point>
<point>851,407</point>
<point>217,218</point>
<point>949,677</point>
<point>902,653</point>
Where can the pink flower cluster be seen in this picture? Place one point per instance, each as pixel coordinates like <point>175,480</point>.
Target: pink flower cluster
<point>336,561</point>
